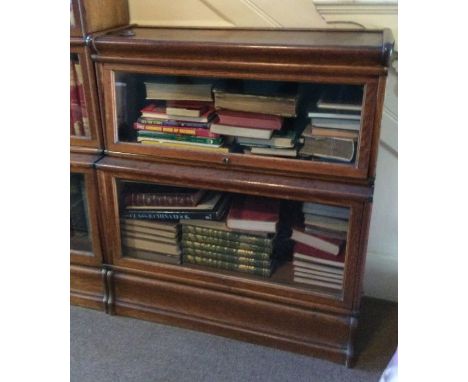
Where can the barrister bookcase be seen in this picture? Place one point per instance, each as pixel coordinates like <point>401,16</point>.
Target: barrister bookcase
<point>274,311</point>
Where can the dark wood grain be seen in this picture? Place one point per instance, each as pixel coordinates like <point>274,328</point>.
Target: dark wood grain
<point>86,287</point>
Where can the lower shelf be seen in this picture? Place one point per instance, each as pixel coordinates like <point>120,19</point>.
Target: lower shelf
<point>87,287</point>
<point>293,329</point>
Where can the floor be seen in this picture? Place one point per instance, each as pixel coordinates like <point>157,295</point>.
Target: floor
<point>109,348</point>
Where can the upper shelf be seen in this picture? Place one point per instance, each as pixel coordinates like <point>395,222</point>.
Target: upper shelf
<point>356,48</point>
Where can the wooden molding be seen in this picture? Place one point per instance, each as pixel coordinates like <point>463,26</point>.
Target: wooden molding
<point>352,7</point>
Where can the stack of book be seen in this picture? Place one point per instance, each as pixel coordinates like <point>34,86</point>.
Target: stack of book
<point>180,116</point>
<point>79,121</point>
<point>150,216</point>
<point>334,126</point>
<point>320,246</point>
<point>245,242</point>
<point>256,122</point>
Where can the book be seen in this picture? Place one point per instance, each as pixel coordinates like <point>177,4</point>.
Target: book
<point>146,194</point>
<point>313,131</point>
<point>151,256</point>
<point>332,224</point>
<point>148,231</point>
<point>306,272</point>
<point>245,252</point>
<point>160,226</point>
<point>329,285</point>
<point>239,131</point>
<point>219,230</point>
<point>150,245</point>
<point>185,146</point>
<point>159,112</point>
<point>188,108</point>
<point>335,114</point>
<point>215,214</point>
<point>137,234</point>
<point>336,123</point>
<point>254,213</point>
<point>208,203</point>
<point>281,105</point>
<point>272,151</point>
<point>328,245</point>
<point>235,259</point>
<point>180,142</point>
<point>338,149</point>
<point>154,123</point>
<point>312,276</point>
<point>252,120</point>
<point>162,90</point>
<point>198,260</point>
<point>341,97</point>
<point>180,130</point>
<point>244,241</point>
<point>279,139</point>
<point>309,265</point>
<point>163,137</point>
<point>76,122</point>
<point>325,232</point>
<point>307,253</point>
<point>326,210</point>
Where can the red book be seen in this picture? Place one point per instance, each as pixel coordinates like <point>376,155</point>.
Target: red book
<point>305,252</point>
<point>250,213</point>
<point>253,120</point>
<point>180,130</point>
<point>158,111</point>
<point>325,244</point>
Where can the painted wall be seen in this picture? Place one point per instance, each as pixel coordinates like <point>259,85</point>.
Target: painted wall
<point>381,273</point>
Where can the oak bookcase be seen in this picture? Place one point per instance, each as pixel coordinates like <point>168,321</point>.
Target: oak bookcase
<point>276,311</point>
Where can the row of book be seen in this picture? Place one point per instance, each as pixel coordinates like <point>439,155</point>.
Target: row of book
<point>320,246</point>
<point>79,121</point>
<point>199,227</point>
<point>198,117</point>
<point>333,131</point>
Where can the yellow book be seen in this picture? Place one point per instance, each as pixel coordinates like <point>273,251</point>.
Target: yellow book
<point>184,146</point>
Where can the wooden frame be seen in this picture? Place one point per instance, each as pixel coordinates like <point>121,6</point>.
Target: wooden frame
<point>94,143</point>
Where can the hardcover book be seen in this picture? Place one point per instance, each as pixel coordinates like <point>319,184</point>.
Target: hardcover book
<point>180,130</point>
<point>326,210</point>
<point>329,148</point>
<point>335,114</point>
<point>155,123</point>
<point>188,108</point>
<point>220,230</point>
<point>198,260</point>
<point>159,112</point>
<point>320,283</point>
<point>145,194</point>
<point>150,245</point>
<point>242,243</point>
<point>254,213</point>
<point>163,137</point>
<point>254,253</point>
<point>310,273</point>
<point>312,131</point>
<point>151,256</point>
<point>332,224</point>
<point>336,123</point>
<point>208,203</point>
<point>169,227</point>
<point>185,146</point>
<point>279,139</point>
<point>341,97</point>
<point>325,232</point>
<point>284,106</point>
<point>331,246</point>
<point>239,131</point>
<point>258,261</point>
<point>252,120</point>
<point>161,90</point>
<point>307,253</point>
<point>309,265</point>
<point>272,151</point>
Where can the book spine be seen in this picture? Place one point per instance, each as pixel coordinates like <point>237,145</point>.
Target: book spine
<point>229,236</point>
<point>233,244</point>
<point>190,131</point>
<point>202,246</point>
<point>259,263</point>
<point>149,199</point>
<point>183,138</point>
<point>81,95</point>
<point>171,216</point>
<point>265,272</point>
<point>170,122</point>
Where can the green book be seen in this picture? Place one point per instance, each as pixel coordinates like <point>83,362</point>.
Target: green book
<point>230,235</point>
<point>236,244</point>
<point>223,249</point>
<point>180,138</point>
<point>265,272</point>
<point>259,263</point>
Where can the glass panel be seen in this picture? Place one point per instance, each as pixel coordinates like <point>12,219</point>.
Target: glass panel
<point>314,122</point>
<point>285,242</point>
<point>79,121</point>
<point>80,238</point>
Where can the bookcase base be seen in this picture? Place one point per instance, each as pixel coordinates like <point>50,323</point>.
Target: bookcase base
<point>87,288</point>
<point>304,331</point>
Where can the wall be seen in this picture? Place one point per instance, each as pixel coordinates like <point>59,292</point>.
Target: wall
<point>380,278</point>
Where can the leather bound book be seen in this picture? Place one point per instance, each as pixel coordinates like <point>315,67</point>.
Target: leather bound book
<point>254,213</point>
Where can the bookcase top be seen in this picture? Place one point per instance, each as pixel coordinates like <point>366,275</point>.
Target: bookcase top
<point>327,46</point>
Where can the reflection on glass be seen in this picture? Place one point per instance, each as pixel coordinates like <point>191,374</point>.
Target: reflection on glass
<point>318,122</point>
<point>286,242</point>
<point>79,121</point>
<point>72,16</point>
<point>80,239</point>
